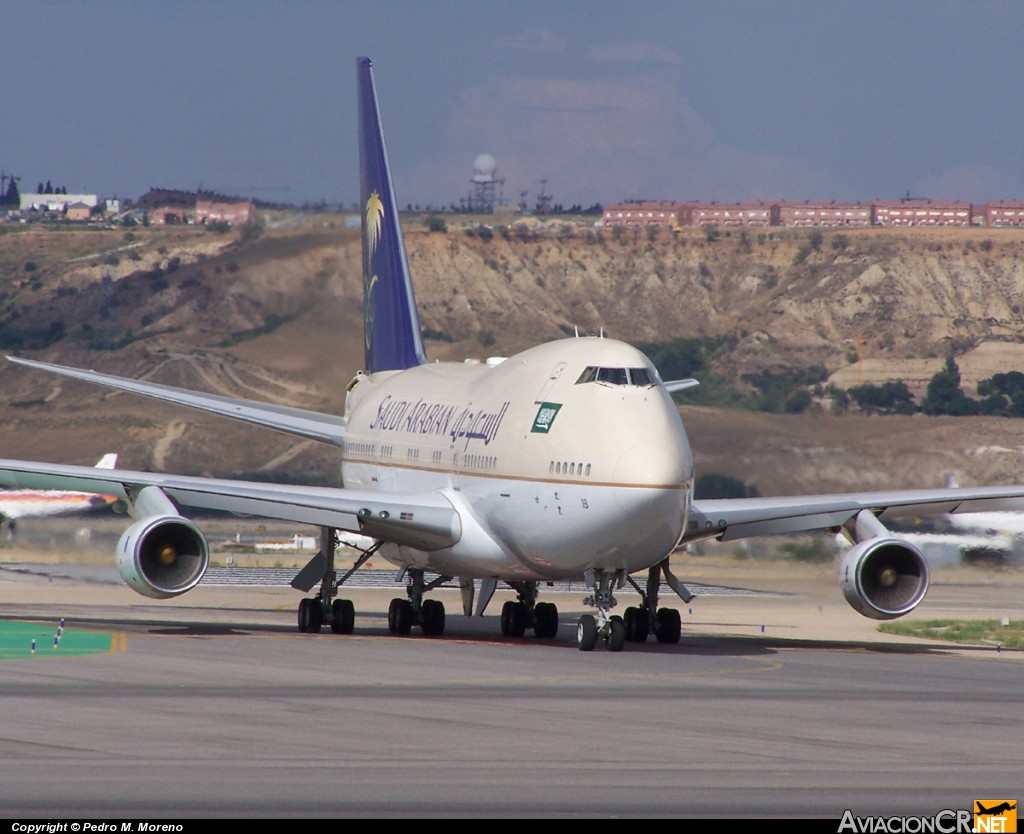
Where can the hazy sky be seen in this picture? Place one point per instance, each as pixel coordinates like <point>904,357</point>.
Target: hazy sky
<point>662,99</point>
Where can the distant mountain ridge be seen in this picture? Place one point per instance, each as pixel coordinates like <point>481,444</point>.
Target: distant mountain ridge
<point>278,316</point>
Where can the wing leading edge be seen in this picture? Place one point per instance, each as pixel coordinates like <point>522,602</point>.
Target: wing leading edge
<point>314,425</point>
<point>425,521</point>
<point>728,519</point>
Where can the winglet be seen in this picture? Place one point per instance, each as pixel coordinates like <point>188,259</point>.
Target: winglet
<point>390,324</point>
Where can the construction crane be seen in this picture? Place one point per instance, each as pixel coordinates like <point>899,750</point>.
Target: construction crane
<point>858,343</point>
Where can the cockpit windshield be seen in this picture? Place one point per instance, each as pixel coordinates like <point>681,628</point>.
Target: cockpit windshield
<point>617,376</point>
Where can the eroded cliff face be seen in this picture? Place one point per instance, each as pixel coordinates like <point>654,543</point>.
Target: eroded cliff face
<point>279,317</point>
<point>914,293</point>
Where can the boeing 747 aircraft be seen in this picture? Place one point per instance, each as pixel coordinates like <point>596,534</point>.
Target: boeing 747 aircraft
<point>16,504</point>
<point>568,460</point>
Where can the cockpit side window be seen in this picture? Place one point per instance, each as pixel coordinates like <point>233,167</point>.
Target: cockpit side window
<point>641,376</point>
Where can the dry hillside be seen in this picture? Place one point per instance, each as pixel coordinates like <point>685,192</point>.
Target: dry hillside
<point>278,316</point>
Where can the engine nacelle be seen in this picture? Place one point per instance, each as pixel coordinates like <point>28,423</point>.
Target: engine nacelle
<point>884,577</point>
<point>162,556</point>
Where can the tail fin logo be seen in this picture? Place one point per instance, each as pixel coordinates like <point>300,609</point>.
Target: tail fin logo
<point>373,224</point>
<point>374,221</point>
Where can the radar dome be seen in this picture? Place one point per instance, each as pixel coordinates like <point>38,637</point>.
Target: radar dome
<point>484,166</point>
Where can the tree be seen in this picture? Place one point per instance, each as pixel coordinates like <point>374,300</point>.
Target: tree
<point>714,485</point>
<point>13,195</point>
<point>944,395</point>
<point>886,398</point>
<point>435,224</point>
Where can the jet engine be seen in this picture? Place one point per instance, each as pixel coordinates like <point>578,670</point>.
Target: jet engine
<point>162,556</point>
<point>883,577</point>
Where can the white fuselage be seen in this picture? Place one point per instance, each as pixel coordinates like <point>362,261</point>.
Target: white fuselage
<point>551,475</point>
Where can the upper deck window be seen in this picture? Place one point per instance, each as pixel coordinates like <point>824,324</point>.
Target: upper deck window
<point>617,376</point>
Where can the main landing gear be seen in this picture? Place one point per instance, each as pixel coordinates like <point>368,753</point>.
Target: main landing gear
<point>526,612</point>
<point>339,614</point>
<point>428,614</point>
<point>639,621</point>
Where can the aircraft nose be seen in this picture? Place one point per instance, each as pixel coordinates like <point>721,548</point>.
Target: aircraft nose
<point>650,466</point>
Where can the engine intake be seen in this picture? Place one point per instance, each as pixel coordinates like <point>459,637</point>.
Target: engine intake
<point>162,556</point>
<point>884,577</point>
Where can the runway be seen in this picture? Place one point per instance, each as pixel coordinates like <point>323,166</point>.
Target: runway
<point>218,707</point>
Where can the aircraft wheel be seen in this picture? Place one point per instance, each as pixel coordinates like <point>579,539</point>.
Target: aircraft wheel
<point>616,637</point>
<point>400,616</point>
<point>433,616</point>
<point>545,619</point>
<point>637,625</point>
<point>586,633</point>
<point>311,616</point>
<point>513,619</point>
<point>304,615</point>
<point>344,620</point>
<point>669,625</point>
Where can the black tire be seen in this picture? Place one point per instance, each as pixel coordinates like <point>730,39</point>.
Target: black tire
<point>669,625</point>
<point>637,625</point>
<point>586,633</point>
<point>433,617</point>
<point>616,637</point>
<point>400,616</point>
<point>304,615</point>
<point>311,616</point>
<point>344,619</point>
<point>545,620</point>
<point>316,616</point>
<point>513,619</point>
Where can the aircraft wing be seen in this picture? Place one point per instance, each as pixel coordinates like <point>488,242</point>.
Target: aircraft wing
<point>327,428</point>
<point>427,521</point>
<point>727,519</point>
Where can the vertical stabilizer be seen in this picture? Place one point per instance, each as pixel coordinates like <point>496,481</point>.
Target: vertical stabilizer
<point>390,324</point>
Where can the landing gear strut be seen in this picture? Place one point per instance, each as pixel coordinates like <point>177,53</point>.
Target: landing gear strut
<point>638,621</point>
<point>428,614</point>
<point>663,623</point>
<point>526,612</point>
<point>340,614</point>
<point>605,625</point>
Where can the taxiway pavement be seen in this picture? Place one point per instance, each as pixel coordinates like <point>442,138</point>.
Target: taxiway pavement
<point>786,705</point>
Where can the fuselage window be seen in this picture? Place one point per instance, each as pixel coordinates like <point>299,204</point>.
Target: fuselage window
<point>572,468</point>
<point>588,470</point>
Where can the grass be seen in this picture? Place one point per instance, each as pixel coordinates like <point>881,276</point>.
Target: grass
<point>976,632</point>
<point>16,641</point>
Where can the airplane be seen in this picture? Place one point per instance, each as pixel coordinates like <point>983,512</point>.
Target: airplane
<point>566,461</point>
<point>995,810</point>
<point>40,503</point>
<point>1007,524</point>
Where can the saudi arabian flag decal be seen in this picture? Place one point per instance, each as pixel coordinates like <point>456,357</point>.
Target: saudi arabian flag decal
<point>545,417</point>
